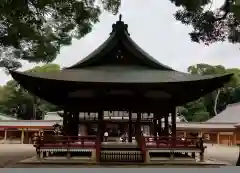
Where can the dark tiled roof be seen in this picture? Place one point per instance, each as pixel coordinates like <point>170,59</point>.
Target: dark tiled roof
<point>120,37</point>
<point>230,115</point>
<point>118,74</point>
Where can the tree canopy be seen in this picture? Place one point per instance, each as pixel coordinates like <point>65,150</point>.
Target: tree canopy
<point>35,30</point>
<point>213,103</point>
<point>16,101</point>
<point>209,25</point>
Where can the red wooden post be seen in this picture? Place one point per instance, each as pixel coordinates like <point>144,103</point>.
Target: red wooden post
<point>98,148</point>
<point>143,147</point>
<point>68,146</point>
<point>82,141</point>
<point>157,142</point>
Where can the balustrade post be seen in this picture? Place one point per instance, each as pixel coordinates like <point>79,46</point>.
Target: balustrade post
<point>98,149</point>
<point>82,141</point>
<point>202,150</point>
<point>68,147</point>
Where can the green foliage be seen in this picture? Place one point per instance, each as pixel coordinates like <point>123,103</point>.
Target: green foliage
<point>15,100</point>
<point>204,108</point>
<point>35,30</point>
<point>209,25</point>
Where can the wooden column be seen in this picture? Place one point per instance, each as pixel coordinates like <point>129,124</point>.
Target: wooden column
<point>22,136</point>
<point>76,123</point>
<point>173,115</point>
<point>218,138</point>
<point>65,123</point>
<point>159,124</point>
<point>5,136</point>
<point>130,126</point>
<point>71,124</point>
<point>154,124</point>
<point>166,124</point>
<point>100,125</point>
<point>234,137</point>
<point>138,126</point>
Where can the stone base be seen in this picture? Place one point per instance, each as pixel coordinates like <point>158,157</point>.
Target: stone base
<point>82,162</point>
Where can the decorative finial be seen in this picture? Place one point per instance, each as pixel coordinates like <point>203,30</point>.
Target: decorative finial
<point>119,27</point>
<point>120,17</point>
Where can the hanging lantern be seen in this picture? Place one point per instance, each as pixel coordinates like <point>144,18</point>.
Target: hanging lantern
<point>235,8</point>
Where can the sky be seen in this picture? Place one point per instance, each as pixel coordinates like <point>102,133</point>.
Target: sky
<point>153,27</point>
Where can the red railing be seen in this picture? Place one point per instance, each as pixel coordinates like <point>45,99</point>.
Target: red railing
<point>172,142</point>
<point>66,141</point>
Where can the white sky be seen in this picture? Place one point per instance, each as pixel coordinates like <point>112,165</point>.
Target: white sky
<point>153,27</point>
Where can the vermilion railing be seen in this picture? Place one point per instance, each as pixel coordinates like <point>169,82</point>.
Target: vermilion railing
<point>66,141</point>
<point>173,142</point>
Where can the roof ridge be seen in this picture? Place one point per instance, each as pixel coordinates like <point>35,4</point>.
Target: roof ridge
<point>120,36</point>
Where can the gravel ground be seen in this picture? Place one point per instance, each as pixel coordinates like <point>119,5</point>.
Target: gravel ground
<point>222,153</point>
<point>11,154</point>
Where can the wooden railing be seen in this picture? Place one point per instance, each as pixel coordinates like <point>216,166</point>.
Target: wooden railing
<point>173,142</point>
<point>66,141</point>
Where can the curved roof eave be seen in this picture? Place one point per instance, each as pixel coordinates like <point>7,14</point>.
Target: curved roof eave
<point>21,76</point>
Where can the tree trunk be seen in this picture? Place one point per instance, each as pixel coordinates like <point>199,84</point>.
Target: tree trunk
<point>216,101</point>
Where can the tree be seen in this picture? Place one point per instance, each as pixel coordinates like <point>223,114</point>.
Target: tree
<point>22,104</point>
<point>35,30</point>
<point>210,26</point>
<point>215,102</point>
<point>195,111</point>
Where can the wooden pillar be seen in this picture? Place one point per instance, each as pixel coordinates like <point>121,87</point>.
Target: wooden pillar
<point>76,123</point>
<point>130,126</point>
<point>234,137</point>
<point>5,136</point>
<point>166,124</point>
<point>22,136</point>
<point>138,126</point>
<point>154,124</point>
<point>100,125</point>
<point>159,122</point>
<point>173,117</point>
<point>71,124</point>
<point>65,123</point>
<point>218,138</point>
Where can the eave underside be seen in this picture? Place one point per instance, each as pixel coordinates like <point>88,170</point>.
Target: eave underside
<point>91,96</point>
